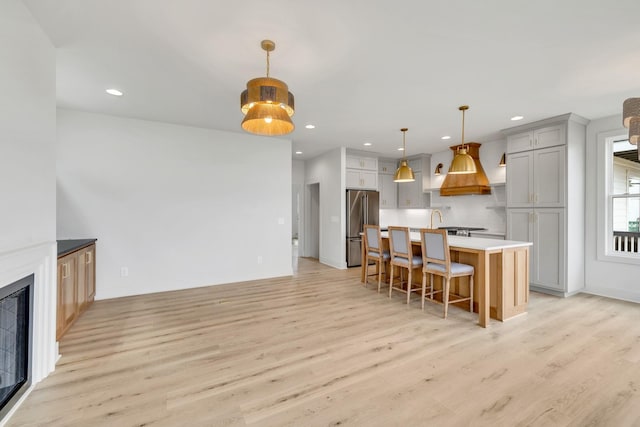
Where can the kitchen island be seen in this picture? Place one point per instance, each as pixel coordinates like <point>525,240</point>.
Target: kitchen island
<point>501,276</point>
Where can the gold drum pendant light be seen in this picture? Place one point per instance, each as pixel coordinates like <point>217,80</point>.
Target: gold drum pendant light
<point>634,131</point>
<point>267,103</point>
<point>630,109</point>
<point>404,172</point>
<point>462,162</point>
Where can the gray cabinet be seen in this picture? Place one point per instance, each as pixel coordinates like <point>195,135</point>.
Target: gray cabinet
<point>416,194</point>
<point>546,136</point>
<point>545,229</point>
<point>411,195</point>
<point>545,159</point>
<point>536,178</point>
<point>388,192</point>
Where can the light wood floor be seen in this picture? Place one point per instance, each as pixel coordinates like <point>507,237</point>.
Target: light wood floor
<point>319,349</point>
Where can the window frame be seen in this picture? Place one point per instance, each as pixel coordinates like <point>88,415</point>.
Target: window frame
<point>605,197</point>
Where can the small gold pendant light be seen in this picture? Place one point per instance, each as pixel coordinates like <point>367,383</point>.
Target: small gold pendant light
<point>267,103</point>
<point>404,172</point>
<point>462,162</point>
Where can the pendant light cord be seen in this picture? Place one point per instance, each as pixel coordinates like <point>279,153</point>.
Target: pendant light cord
<point>462,108</point>
<point>462,128</point>
<point>268,64</point>
<point>404,143</point>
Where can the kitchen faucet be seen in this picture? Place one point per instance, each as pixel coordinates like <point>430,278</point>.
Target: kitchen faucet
<point>439,214</point>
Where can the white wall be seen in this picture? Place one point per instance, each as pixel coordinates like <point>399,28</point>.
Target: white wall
<point>27,130</point>
<point>328,171</point>
<point>27,171</point>
<point>178,206</point>
<point>297,197</point>
<point>613,279</point>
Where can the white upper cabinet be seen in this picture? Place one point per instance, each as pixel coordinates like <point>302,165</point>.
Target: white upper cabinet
<point>411,194</point>
<point>388,191</point>
<point>361,172</point>
<point>549,175</point>
<point>536,178</point>
<point>367,163</point>
<point>537,138</point>
<point>387,187</point>
<point>387,167</point>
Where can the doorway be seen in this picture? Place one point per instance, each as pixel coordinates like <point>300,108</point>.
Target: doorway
<point>312,235</point>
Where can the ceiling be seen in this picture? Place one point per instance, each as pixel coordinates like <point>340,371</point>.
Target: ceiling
<point>360,70</point>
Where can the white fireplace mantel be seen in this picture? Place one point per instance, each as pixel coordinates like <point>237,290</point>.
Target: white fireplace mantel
<point>39,260</point>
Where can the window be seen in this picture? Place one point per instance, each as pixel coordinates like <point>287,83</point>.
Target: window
<point>623,200</point>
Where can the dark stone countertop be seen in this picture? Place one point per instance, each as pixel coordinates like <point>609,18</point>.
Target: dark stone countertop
<point>67,246</point>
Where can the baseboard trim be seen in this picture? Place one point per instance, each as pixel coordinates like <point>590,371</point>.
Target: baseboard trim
<point>621,294</point>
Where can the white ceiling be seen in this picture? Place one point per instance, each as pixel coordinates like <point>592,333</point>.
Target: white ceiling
<point>360,70</point>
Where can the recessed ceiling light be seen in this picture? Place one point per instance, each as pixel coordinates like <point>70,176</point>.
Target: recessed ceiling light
<point>446,137</point>
<point>516,118</point>
<point>367,144</point>
<point>310,126</point>
<point>298,152</point>
<point>114,92</point>
<point>400,149</point>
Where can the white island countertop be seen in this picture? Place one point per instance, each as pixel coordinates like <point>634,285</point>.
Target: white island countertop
<point>477,243</point>
<point>480,243</point>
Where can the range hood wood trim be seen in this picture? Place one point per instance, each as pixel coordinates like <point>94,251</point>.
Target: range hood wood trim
<point>465,184</point>
<point>463,191</point>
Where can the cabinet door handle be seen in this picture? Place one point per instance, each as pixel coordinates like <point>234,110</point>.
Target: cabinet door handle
<point>89,257</point>
<point>65,270</point>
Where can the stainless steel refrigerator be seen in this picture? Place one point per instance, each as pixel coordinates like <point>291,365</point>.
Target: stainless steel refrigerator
<point>362,208</point>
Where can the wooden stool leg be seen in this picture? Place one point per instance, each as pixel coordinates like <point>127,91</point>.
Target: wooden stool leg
<point>431,285</point>
<point>445,297</point>
<point>471,293</point>
<point>366,272</point>
<point>379,274</point>
<point>391,281</point>
<point>424,287</point>
<point>409,285</point>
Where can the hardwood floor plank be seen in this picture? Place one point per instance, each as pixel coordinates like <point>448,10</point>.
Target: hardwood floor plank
<point>319,348</point>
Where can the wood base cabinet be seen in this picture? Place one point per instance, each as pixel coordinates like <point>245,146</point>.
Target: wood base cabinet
<point>76,286</point>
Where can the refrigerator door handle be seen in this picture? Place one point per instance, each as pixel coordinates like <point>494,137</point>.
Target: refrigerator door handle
<point>365,209</point>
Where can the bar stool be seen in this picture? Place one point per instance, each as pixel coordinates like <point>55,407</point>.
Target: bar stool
<point>402,256</point>
<point>436,259</point>
<point>374,252</point>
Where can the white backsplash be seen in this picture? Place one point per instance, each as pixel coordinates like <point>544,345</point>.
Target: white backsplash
<point>487,211</point>
<point>416,218</point>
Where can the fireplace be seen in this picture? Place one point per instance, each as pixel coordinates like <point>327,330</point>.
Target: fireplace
<point>16,320</point>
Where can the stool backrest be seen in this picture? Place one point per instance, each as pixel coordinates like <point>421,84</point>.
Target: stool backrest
<point>435,247</point>
<point>400,243</point>
<point>372,238</point>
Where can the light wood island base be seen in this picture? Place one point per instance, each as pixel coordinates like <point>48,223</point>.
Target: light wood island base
<point>502,264</point>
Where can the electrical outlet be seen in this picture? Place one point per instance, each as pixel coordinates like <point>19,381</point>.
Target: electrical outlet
<point>124,271</point>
